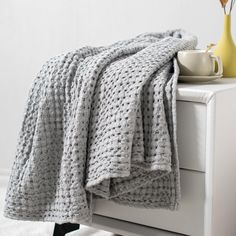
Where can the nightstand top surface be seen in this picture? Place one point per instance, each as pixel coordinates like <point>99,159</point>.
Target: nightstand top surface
<point>203,92</point>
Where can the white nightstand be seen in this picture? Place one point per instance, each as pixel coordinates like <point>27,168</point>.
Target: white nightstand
<point>206,115</point>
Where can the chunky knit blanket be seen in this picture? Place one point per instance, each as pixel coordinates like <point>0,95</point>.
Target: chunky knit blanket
<point>100,122</point>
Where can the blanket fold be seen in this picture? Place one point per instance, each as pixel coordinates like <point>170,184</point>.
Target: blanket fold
<point>100,122</point>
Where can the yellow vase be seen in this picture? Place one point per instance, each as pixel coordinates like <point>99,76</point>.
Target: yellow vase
<point>226,49</point>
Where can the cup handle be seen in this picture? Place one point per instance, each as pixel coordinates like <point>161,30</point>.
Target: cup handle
<point>218,61</point>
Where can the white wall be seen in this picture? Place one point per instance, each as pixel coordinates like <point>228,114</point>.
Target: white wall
<point>33,31</point>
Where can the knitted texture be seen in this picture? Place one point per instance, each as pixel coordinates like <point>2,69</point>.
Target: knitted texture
<point>100,122</point>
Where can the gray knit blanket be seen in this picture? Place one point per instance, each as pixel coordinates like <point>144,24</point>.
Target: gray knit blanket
<point>100,122</point>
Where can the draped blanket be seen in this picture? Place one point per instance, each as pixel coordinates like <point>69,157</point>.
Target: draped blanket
<point>100,122</point>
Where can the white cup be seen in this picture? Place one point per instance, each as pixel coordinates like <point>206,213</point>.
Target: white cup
<point>199,63</point>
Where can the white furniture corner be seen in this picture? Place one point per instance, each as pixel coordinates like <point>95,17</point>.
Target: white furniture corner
<point>206,115</point>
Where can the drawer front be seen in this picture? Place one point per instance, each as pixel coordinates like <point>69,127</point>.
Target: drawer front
<point>189,219</point>
<point>191,135</point>
<point>122,227</point>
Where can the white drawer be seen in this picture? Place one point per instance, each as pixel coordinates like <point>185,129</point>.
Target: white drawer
<point>191,135</point>
<point>189,219</point>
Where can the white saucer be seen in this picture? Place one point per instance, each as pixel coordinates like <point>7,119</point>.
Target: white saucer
<point>198,78</point>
